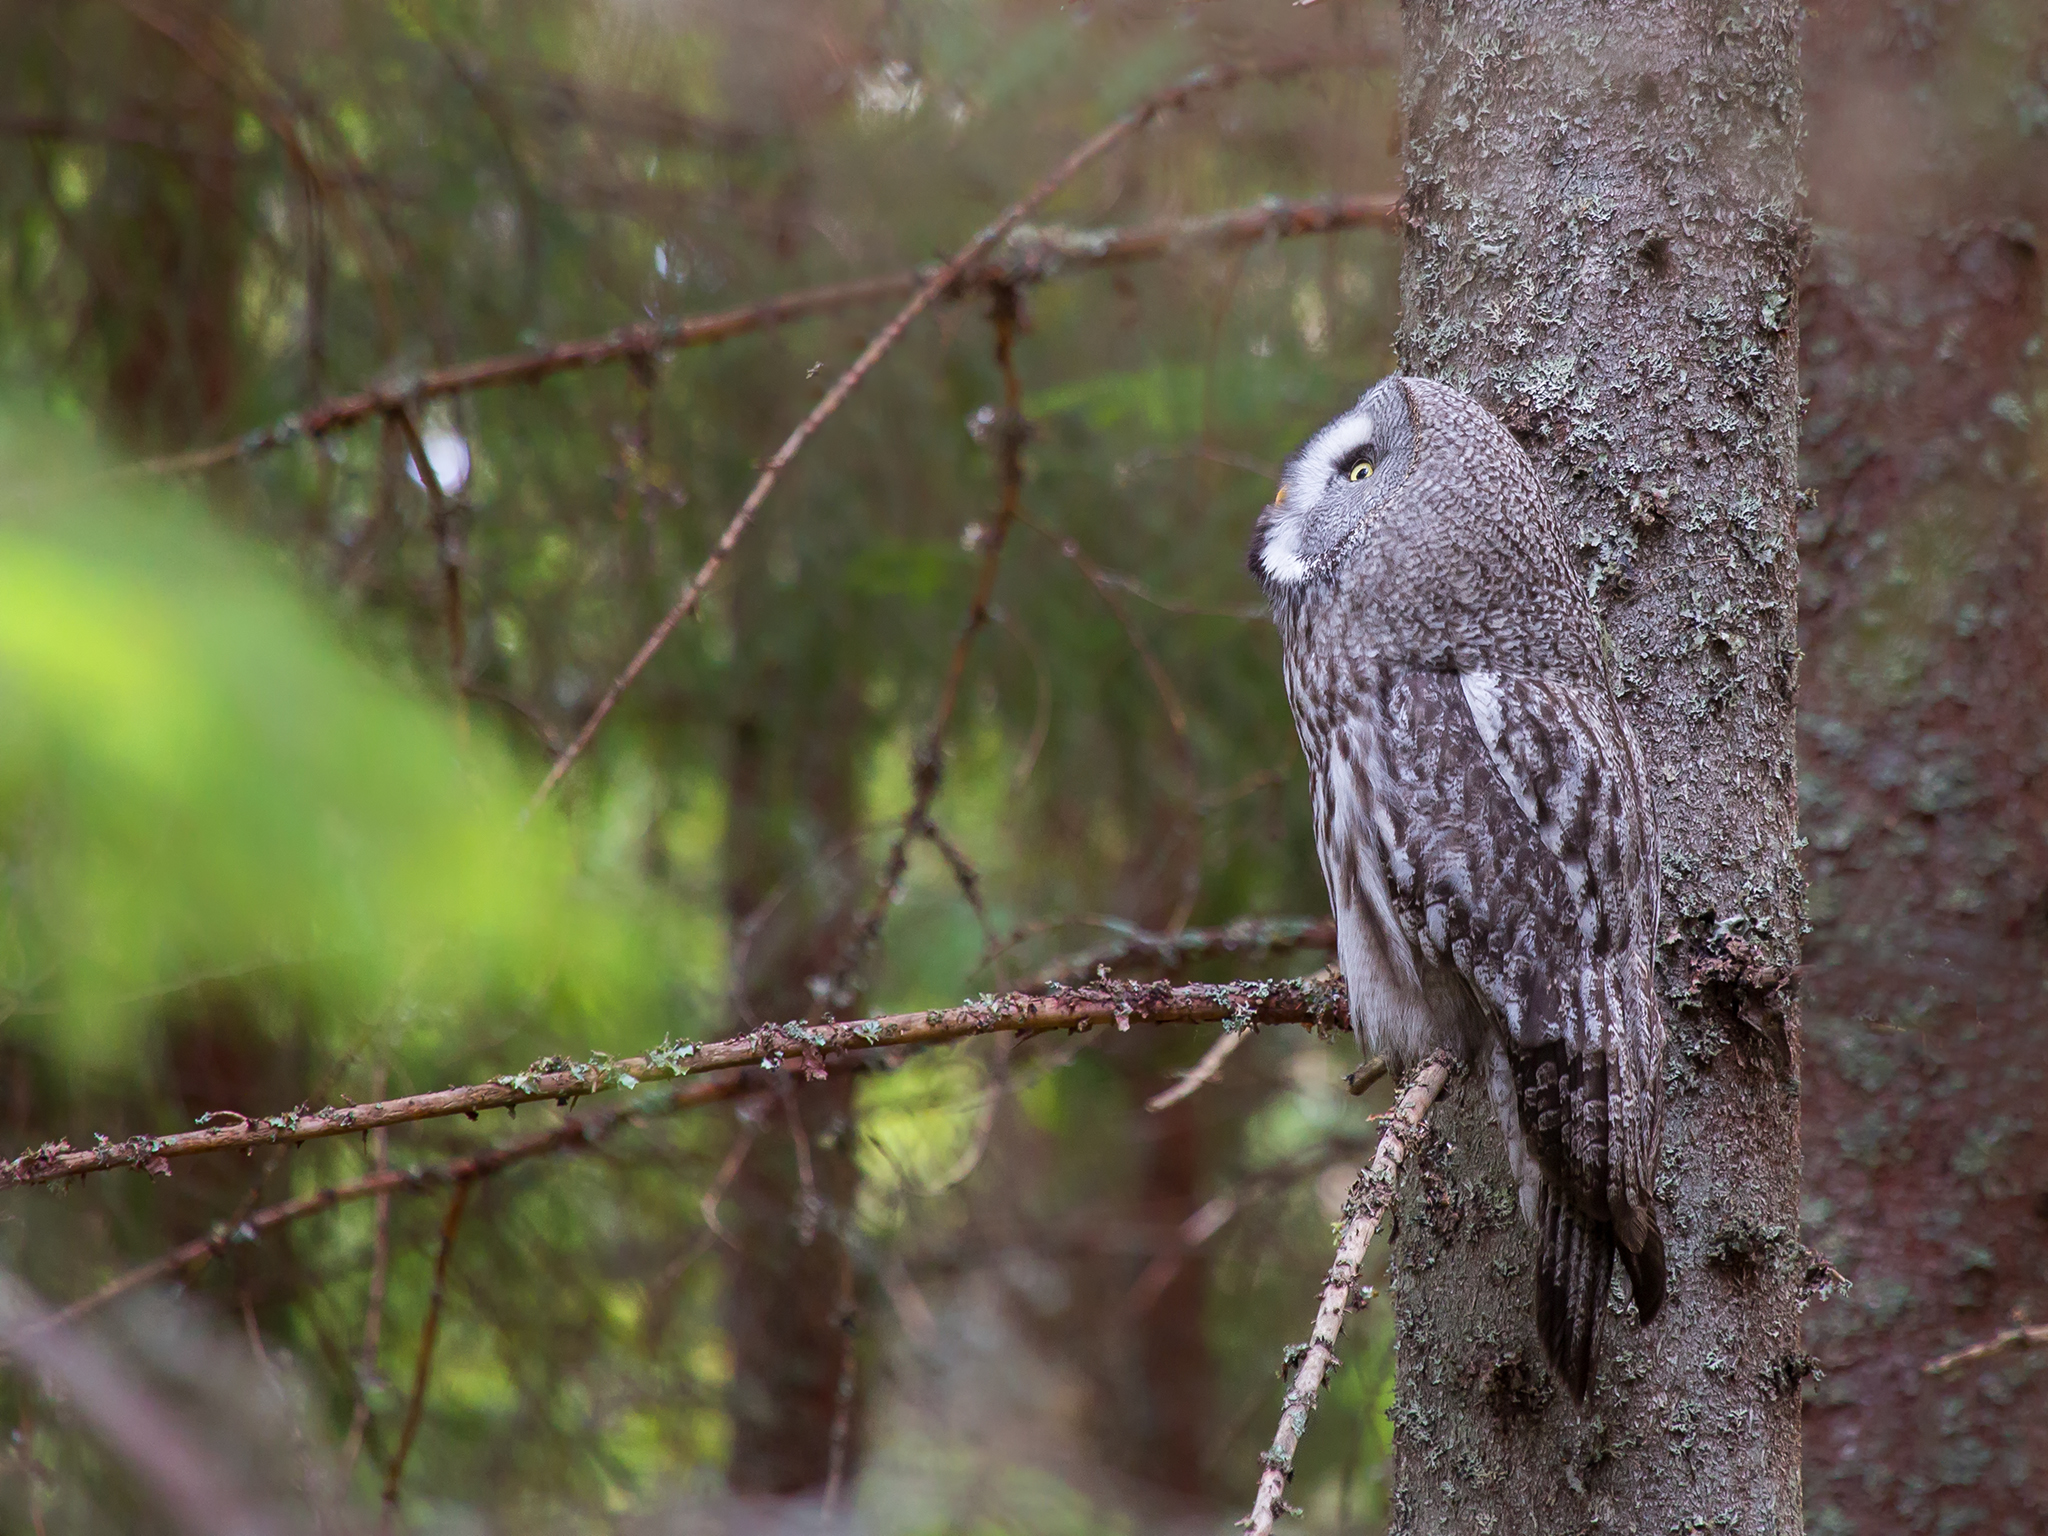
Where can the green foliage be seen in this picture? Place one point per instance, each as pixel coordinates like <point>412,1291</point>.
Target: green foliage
<point>199,779</point>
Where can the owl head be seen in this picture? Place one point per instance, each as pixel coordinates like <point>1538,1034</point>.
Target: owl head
<point>1418,522</point>
<point>1338,483</point>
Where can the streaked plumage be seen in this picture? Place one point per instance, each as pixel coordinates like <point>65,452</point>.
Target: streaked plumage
<point>1480,813</point>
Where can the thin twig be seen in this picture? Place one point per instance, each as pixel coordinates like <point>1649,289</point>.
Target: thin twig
<point>884,339</point>
<point>1222,1208</point>
<point>2024,1336</point>
<point>810,1205</point>
<point>843,1394</point>
<point>423,1367</point>
<point>928,766</point>
<point>373,1308</point>
<point>714,1193</point>
<point>778,1046</point>
<point>1363,1207</point>
<point>1201,1072</point>
<point>966,877</point>
<point>576,1132</point>
<point>1025,256</point>
<point>1108,588</point>
<point>1257,938</point>
<point>447,553</point>
<point>1365,1074</point>
<point>1169,702</point>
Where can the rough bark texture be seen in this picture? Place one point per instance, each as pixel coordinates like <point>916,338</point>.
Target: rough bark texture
<point>1924,614</point>
<point>1603,244</point>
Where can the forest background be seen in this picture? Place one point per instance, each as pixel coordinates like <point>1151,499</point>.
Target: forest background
<point>272,726</point>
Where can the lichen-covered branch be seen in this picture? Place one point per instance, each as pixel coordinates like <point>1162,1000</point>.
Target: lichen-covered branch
<point>1368,1201</point>
<point>790,1046</point>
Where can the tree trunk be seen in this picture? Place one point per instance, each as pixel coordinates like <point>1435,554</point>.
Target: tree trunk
<point>1603,243</point>
<point>792,820</point>
<point>1925,620</point>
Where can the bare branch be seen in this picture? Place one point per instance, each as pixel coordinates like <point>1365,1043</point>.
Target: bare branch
<point>1363,1207</point>
<point>1027,255</point>
<point>423,1367</point>
<point>1222,1208</point>
<point>1364,1075</point>
<point>370,1351</point>
<point>777,1046</point>
<point>844,1391</point>
<point>1202,1071</point>
<point>1248,938</point>
<point>693,590</point>
<point>2023,1336</point>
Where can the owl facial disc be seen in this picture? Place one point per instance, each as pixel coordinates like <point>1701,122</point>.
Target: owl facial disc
<point>1333,484</point>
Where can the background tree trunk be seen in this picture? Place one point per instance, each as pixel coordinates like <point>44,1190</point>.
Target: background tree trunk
<point>1924,615</point>
<point>792,825</point>
<point>1603,243</point>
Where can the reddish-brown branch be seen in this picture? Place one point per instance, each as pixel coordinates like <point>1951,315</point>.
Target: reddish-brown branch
<point>938,283</point>
<point>1025,256</point>
<point>778,1046</point>
<point>423,1367</point>
<point>1363,1207</point>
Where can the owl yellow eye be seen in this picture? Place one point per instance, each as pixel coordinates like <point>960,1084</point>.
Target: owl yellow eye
<point>1361,469</point>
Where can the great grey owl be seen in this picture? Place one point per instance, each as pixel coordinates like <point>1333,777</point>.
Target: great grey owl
<point>1480,814</point>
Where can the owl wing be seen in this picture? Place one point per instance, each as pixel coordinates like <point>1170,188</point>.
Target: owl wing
<point>1520,852</point>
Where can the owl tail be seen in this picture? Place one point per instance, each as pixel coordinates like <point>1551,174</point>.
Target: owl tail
<point>1572,1273</point>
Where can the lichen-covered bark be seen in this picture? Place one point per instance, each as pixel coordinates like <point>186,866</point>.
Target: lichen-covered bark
<point>1603,244</point>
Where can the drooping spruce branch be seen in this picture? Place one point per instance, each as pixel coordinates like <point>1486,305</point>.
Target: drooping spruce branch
<point>792,1046</point>
<point>575,1133</point>
<point>1174,97</point>
<point>1025,256</point>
